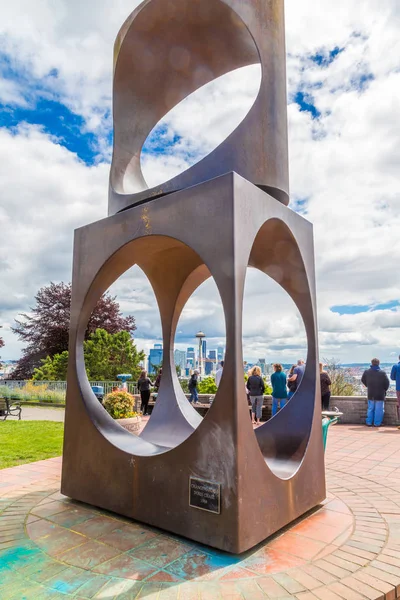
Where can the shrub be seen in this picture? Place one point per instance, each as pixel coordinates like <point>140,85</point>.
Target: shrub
<point>207,386</point>
<point>32,393</point>
<point>119,405</point>
<point>184,385</point>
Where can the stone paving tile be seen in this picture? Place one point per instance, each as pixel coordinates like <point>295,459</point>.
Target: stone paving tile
<point>160,552</point>
<point>347,550</point>
<point>272,561</point>
<point>60,540</point>
<point>125,566</point>
<point>95,525</point>
<point>127,537</point>
<point>71,517</point>
<point>88,555</point>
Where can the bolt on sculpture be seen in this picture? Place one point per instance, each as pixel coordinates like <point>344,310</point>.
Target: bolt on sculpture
<point>212,480</point>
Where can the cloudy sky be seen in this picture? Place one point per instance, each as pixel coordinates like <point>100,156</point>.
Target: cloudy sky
<point>343,108</point>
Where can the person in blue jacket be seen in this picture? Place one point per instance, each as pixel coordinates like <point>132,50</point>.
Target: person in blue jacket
<point>279,391</point>
<point>395,376</point>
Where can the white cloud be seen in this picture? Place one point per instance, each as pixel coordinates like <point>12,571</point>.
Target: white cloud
<point>345,165</point>
<point>46,192</point>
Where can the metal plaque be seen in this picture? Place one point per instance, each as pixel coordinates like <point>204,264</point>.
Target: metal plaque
<point>205,495</point>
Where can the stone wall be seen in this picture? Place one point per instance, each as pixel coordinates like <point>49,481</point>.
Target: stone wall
<point>354,408</point>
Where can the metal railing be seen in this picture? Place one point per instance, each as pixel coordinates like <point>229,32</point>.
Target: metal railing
<point>50,391</point>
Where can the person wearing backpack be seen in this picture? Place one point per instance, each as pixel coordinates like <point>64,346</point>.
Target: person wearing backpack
<point>255,385</point>
<point>193,382</point>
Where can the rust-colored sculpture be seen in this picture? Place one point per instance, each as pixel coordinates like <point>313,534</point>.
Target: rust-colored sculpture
<point>248,485</point>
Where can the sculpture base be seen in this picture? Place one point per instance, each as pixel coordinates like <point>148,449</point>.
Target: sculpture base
<point>214,480</point>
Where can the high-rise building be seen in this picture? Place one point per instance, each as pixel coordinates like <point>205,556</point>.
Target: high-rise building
<point>204,346</point>
<point>220,353</point>
<point>155,358</point>
<point>208,367</point>
<point>190,358</point>
<point>212,355</point>
<point>180,360</point>
<point>262,364</point>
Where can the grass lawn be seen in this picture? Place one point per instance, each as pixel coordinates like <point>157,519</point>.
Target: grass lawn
<point>27,441</point>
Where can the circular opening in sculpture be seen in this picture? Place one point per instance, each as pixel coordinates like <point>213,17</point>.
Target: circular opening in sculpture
<point>173,419</point>
<point>158,67</point>
<point>283,440</point>
<point>199,124</point>
<point>129,344</point>
<point>200,344</point>
<point>274,340</point>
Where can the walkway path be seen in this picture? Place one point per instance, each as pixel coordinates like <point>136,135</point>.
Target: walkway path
<point>42,413</point>
<point>349,549</point>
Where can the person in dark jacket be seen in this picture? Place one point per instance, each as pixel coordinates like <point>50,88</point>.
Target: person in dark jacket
<point>292,384</point>
<point>395,376</point>
<point>255,385</point>
<point>279,392</point>
<point>325,387</point>
<point>377,383</point>
<point>157,382</point>
<point>144,384</point>
<point>193,382</point>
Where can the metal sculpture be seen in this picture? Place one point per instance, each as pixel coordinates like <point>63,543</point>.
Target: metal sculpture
<point>212,480</point>
<point>167,50</point>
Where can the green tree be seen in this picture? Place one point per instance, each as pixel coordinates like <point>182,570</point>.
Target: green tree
<point>52,369</point>
<point>106,356</point>
<point>45,329</point>
<point>155,369</point>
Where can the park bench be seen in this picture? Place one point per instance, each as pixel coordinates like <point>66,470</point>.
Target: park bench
<point>9,409</point>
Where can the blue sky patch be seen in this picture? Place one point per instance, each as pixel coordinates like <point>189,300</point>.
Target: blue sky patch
<point>161,141</point>
<point>361,83</point>
<point>355,310</point>
<point>57,120</point>
<point>305,103</point>
<point>324,58</point>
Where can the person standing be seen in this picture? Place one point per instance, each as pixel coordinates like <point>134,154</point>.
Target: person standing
<point>144,384</point>
<point>193,383</point>
<point>255,385</point>
<point>395,376</point>
<point>279,392</point>
<point>325,387</point>
<point>218,374</point>
<point>295,378</point>
<point>291,384</point>
<point>377,383</point>
<point>157,382</point>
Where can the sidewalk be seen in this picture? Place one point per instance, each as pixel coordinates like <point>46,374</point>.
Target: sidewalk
<point>348,549</point>
<point>42,413</point>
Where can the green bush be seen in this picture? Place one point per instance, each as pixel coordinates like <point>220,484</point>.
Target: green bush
<point>33,393</point>
<point>207,386</point>
<point>119,405</point>
<point>184,385</point>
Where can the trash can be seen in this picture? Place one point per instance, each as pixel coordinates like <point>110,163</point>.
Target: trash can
<point>98,391</point>
<point>329,418</point>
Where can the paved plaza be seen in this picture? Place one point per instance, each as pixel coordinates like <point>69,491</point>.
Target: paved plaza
<point>42,413</point>
<point>349,548</point>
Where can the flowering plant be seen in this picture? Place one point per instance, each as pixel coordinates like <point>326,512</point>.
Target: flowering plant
<point>119,405</point>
